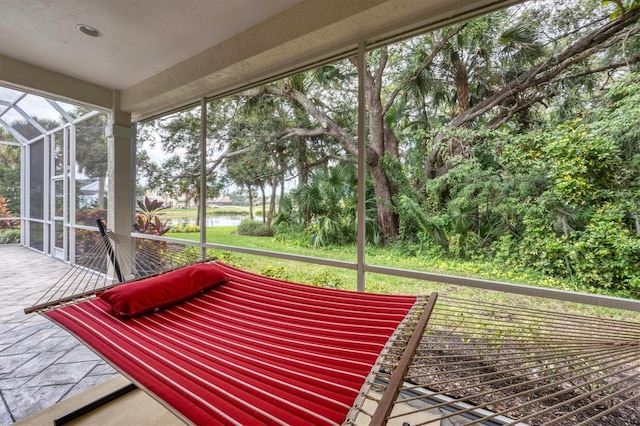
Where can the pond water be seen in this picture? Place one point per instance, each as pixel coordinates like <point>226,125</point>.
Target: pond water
<point>222,220</point>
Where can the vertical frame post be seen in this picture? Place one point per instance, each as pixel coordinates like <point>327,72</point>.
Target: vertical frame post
<point>121,141</point>
<point>73,207</point>
<point>362,181</point>
<point>203,177</point>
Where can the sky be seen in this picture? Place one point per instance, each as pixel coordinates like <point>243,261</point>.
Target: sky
<point>30,104</point>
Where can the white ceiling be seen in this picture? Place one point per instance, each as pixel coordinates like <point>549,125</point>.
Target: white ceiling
<point>156,55</point>
<point>139,37</point>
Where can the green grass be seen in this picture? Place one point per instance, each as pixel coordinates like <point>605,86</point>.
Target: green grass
<point>225,235</point>
<point>346,279</point>
<point>216,210</point>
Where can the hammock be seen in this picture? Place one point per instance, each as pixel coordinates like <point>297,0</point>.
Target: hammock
<point>240,348</point>
<point>251,350</point>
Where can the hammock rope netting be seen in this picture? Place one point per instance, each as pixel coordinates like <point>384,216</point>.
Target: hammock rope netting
<point>257,350</point>
<point>95,268</point>
<point>481,363</point>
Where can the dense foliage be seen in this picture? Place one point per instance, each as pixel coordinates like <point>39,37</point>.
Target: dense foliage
<point>254,228</point>
<point>514,136</point>
<point>9,191</point>
<point>10,175</point>
<point>563,199</point>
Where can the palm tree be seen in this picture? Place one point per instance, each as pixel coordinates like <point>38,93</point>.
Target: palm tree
<point>91,152</point>
<point>326,206</point>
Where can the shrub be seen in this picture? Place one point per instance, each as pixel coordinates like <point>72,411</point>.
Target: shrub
<point>86,240</point>
<point>607,252</point>
<point>602,256</point>
<point>89,217</point>
<point>253,228</point>
<point>276,272</point>
<point>230,258</point>
<point>5,213</point>
<point>185,229</point>
<point>328,280</point>
<point>9,236</point>
<point>148,217</point>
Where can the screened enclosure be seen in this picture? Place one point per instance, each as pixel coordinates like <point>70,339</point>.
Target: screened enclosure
<point>59,161</point>
<point>492,157</point>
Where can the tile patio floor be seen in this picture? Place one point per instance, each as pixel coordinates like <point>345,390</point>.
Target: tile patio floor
<point>40,364</point>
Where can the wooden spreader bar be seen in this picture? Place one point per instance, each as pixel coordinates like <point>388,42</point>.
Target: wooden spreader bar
<point>397,378</point>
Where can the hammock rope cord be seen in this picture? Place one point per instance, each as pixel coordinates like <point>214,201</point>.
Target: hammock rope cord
<point>399,339</point>
<point>491,364</point>
<point>94,269</point>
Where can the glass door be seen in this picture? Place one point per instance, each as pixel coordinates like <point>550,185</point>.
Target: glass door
<point>59,237</point>
<point>59,194</point>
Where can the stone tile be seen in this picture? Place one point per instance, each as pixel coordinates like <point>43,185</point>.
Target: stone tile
<point>61,374</point>
<point>88,382</point>
<point>11,310</point>
<point>37,363</point>
<point>30,320</point>
<point>28,400</point>
<point>5,415</point>
<point>9,363</point>
<point>78,354</point>
<point>60,332</point>
<point>32,342</point>
<point>14,382</point>
<point>40,363</point>
<point>102,369</point>
<point>55,344</point>
<point>18,333</point>
<point>8,327</point>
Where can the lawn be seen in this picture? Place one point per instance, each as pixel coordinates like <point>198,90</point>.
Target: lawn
<point>214,210</point>
<point>346,279</point>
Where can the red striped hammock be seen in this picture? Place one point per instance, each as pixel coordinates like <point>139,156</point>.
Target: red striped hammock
<point>256,350</point>
<point>253,350</point>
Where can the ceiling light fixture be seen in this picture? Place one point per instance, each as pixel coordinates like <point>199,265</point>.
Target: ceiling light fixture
<point>89,30</point>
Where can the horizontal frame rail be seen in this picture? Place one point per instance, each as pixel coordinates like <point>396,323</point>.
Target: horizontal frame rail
<point>522,289</point>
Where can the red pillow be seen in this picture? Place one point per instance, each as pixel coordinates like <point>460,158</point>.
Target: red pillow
<point>146,295</point>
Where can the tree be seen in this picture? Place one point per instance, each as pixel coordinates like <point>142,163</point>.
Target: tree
<point>91,152</point>
<point>458,52</point>
<point>177,173</point>
<point>261,161</point>
<point>325,207</point>
<point>10,176</point>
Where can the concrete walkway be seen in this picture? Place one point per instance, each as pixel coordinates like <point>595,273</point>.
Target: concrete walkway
<point>40,364</point>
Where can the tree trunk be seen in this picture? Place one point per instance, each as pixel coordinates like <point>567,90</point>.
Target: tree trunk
<point>563,221</point>
<point>250,202</point>
<point>197,211</point>
<point>462,86</point>
<point>272,201</point>
<point>387,219</point>
<point>378,146</point>
<point>196,199</point>
<point>264,203</point>
<point>302,164</point>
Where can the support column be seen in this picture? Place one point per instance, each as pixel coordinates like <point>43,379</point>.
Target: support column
<point>362,167</point>
<point>121,181</point>
<point>203,178</point>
